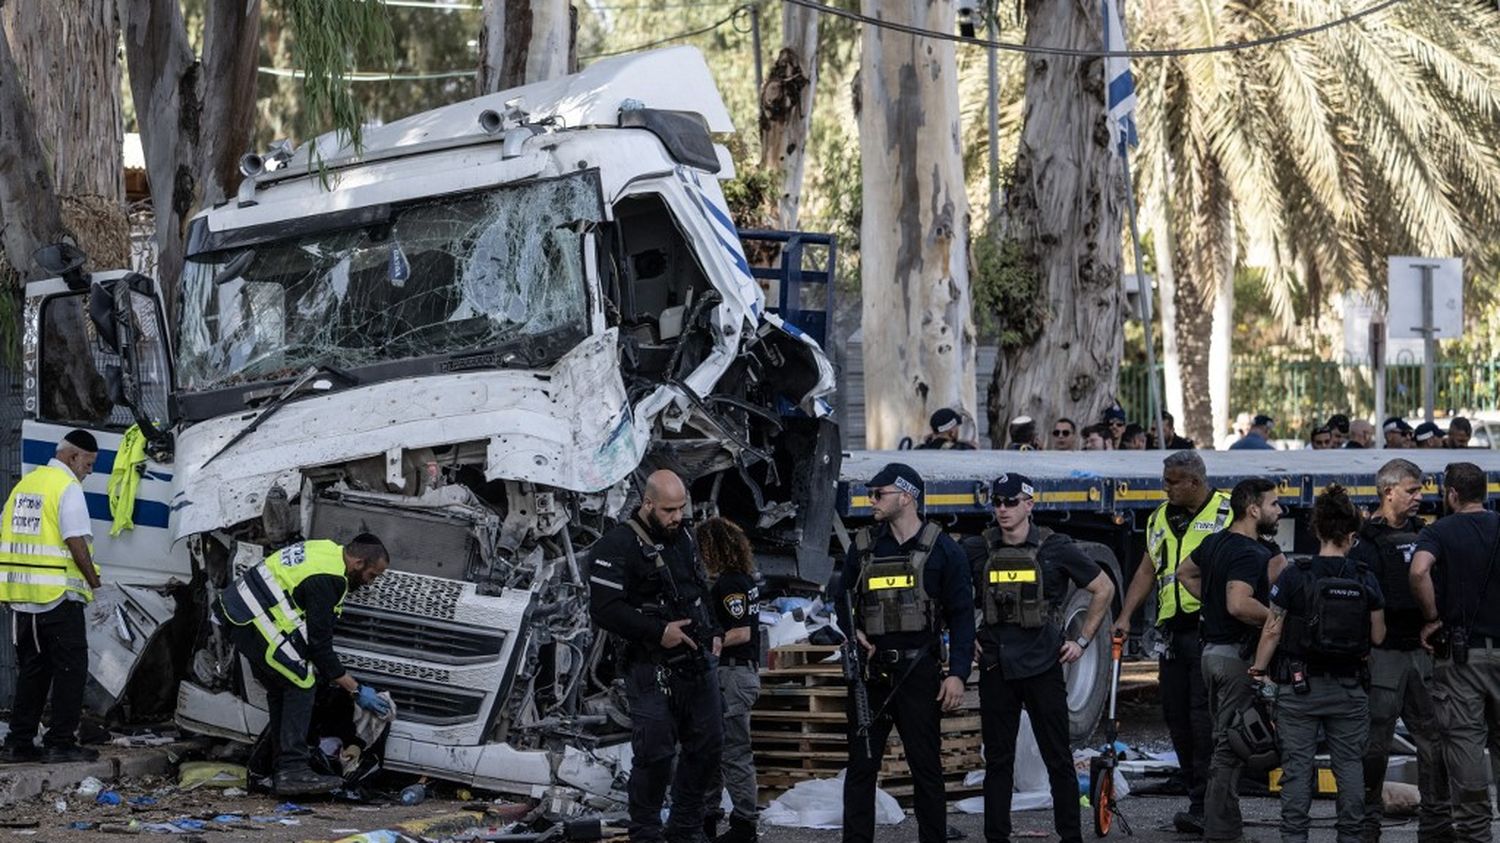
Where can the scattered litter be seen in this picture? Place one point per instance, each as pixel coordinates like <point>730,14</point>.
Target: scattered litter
<point>19,823</point>
<point>143,801</point>
<point>90,787</point>
<point>195,774</point>
<point>1401,799</point>
<point>80,825</point>
<point>145,739</point>
<point>819,803</point>
<point>382,836</point>
<point>107,797</point>
<point>131,827</point>
<point>413,794</point>
<point>343,831</point>
<point>61,806</point>
<point>292,808</point>
<point>235,791</point>
<point>276,820</point>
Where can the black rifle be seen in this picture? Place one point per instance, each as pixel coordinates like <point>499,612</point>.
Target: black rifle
<point>854,674</point>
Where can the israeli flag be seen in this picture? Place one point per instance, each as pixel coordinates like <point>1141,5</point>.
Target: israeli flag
<point>1120,84</point>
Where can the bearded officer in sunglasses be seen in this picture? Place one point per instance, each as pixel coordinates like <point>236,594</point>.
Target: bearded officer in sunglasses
<point>1021,574</point>
<point>907,580</point>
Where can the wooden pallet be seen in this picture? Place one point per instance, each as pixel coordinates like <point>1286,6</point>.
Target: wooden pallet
<point>798,729</point>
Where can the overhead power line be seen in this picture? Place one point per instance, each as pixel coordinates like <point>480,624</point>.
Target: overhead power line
<point>739,10</point>
<point>1011,46</point>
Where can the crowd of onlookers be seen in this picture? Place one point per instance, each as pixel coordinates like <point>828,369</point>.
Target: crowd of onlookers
<point>1115,432</point>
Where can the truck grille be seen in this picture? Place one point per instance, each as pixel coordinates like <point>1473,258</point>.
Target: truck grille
<point>415,637</point>
<point>420,703</point>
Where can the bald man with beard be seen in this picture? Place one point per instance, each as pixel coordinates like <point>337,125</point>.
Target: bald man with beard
<point>648,587</point>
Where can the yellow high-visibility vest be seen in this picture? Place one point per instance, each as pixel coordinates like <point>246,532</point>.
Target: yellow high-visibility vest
<point>35,563</point>
<point>262,596</point>
<point>1167,551</point>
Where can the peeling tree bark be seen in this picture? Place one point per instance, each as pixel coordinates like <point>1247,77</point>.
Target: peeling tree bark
<point>195,116</point>
<point>918,337</point>
<point>1065,210</point>
<point>524,41</point>
<point>65,62</point>
<point>786,107</point>
<point>30,214</point>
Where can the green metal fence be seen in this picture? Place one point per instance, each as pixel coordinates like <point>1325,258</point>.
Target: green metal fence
<point>1299,393</point>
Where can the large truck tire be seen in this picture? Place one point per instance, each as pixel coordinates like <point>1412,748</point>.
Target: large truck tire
<point>1088,678</point>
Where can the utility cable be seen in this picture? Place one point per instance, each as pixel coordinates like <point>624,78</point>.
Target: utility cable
<point>729,18</point>
<point>1011,46</point>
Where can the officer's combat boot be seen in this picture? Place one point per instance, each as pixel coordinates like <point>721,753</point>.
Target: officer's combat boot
<point>305,782</point>
<point>740,831</point>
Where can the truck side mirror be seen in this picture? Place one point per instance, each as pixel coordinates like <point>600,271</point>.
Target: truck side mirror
<point>65,261</point>
<point>102,314</point>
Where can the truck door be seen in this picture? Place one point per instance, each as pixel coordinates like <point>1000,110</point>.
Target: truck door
<point>96,357</point>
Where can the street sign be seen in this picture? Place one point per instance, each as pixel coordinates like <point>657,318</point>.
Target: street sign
<point>1404,298</point>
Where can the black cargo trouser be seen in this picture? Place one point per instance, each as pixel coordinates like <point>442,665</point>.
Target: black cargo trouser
<point>1045,698</point>
<point>912,707</point>
<point>289,706</point>
<point>52,655</point>
<point>1184,701</point>
<point>671,717</point>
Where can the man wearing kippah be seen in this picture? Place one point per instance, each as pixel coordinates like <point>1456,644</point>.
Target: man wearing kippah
<point>47,575</point>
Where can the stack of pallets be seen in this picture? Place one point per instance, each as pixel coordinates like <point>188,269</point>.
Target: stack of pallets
<point>798,729</point>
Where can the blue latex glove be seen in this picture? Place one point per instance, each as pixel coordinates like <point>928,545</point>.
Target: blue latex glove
<point>366,699</point>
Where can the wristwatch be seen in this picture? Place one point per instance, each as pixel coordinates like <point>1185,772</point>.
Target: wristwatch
<point>1082,642</point>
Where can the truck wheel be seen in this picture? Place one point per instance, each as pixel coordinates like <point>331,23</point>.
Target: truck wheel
<point>1087,678</point>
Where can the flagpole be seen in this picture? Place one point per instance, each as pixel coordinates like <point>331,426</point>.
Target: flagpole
<point>1143,301</point>
<point>1121,97</point>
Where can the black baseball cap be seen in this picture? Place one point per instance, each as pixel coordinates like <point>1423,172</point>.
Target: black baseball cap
<point>1339,422</point>
<point>1427,430</point>
<point>1114,414</point>
<point>900,475</point>
<point>1262,420</point>
<point>945,420</point>
<point>1011,486</point>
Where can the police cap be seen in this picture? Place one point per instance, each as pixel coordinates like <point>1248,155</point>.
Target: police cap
<point>1427,430</point>
<point>900,475</point>
<point>1012,485</point>
<point>1395,423</point>
<point>945,420</point>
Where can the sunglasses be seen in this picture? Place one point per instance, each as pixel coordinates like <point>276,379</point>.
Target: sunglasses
<point>1061,432</point>
<point>1008,503</point>
<point>1117,423</point>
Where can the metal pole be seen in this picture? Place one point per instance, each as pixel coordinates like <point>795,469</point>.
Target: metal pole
<point>760,81</point>
<point>1144,302</point>
<point>1377,360</point>
<point>992,29</point>
<point>1429,340</point>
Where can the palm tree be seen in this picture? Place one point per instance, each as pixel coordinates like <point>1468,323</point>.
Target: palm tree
<point>1326,153</point>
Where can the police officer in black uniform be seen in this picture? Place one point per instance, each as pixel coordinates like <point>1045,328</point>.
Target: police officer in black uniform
<point>1400,670</point>
<point>906,580</point>
<point>736,600</point>
<point>1021,574</point>
<point>947,426</point>
<point>1455,576</point>
<point>1326,613</point>
<point>647,586</point>
<point>1228,572</point>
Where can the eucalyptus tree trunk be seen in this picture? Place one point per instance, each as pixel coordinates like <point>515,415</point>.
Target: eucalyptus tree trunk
<point>524,41</point>
<point>30,214</point>
<point>64,63</point>
<point>196,118</point>
<point>786,108</point>
<point>1064,212</point>
<point>914,265</point>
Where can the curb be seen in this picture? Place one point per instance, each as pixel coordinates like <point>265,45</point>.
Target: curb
<point>19,782</point>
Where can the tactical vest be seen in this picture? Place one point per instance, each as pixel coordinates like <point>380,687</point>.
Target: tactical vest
<point>1395,548</point>
<point>1332,627</point>
<point>1167,551</point>
<point>262,597</point>
<point>35,563</point>
<point>1014,582</point>
<point>891,592</point>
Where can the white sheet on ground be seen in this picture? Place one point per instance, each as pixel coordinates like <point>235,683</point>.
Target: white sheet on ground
<point>819,803</point>
<point>1031,789</point>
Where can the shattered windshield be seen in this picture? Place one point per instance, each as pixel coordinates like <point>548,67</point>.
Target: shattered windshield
<point>452,273</point>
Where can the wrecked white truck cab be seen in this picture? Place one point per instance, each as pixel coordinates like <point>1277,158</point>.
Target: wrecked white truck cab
<point>471,338</point>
